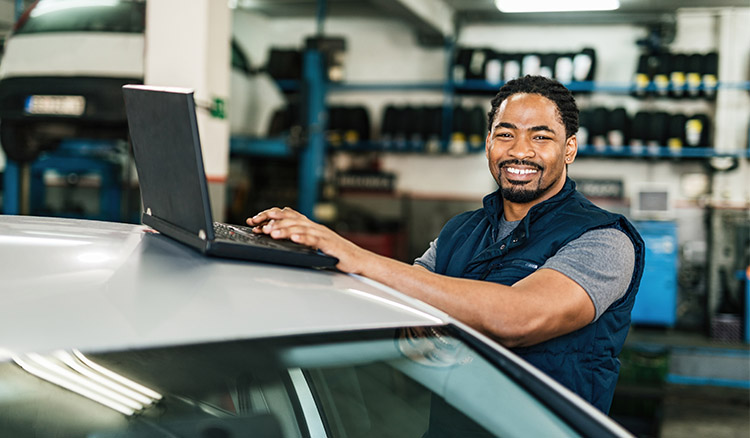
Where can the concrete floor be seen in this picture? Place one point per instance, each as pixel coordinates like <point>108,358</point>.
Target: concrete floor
<point>705,412</point>
<point>676,385</point>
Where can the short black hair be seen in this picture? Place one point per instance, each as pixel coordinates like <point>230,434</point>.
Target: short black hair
<point>546,87</point>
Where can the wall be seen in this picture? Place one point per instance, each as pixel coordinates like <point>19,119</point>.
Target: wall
<point>382,51</point>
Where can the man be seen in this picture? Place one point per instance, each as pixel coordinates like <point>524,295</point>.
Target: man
<point>539,267</point>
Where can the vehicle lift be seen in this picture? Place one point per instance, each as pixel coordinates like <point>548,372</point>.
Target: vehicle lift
<point>24,185</point>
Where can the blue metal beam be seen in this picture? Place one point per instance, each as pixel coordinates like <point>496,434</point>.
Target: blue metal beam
<point>312,157</point>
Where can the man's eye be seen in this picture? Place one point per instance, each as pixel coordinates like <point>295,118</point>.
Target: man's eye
<point>542,137</point>
<point>504,135</point>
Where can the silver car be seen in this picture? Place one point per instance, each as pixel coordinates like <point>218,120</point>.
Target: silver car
<point>112,330</point>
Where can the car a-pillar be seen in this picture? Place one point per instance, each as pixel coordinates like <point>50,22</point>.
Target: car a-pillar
<point>188,45</point>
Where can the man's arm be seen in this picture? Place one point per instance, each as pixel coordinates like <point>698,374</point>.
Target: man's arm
<point>542,306</point>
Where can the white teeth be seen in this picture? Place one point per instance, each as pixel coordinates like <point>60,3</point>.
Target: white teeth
<point>520,171</point>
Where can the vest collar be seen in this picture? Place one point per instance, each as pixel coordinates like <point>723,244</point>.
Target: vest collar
<point>493,204</point>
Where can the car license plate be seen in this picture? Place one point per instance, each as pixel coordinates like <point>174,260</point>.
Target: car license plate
<point>55,105</point>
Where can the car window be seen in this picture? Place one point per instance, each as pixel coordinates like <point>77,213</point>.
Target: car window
<point>418,382</point>
<point>126,16</point>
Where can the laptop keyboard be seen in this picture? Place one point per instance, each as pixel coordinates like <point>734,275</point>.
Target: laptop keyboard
<point>246,235</point>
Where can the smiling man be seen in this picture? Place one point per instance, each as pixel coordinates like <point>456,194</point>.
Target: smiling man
<point>539,267</point>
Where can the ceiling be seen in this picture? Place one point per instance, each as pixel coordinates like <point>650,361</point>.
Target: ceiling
<point>630,10</point>
<point>481,10</point>
<point>463,12</point>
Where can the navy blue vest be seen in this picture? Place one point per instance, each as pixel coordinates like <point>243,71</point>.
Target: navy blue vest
<point>585,361</point>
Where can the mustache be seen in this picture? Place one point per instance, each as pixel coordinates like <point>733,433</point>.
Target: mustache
<point>520,163</point>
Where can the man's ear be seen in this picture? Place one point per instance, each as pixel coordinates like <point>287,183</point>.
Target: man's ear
<point>571,149</point>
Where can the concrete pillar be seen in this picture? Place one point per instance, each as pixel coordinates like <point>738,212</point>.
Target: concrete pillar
<point>188,45</point>
<point>732,189</point>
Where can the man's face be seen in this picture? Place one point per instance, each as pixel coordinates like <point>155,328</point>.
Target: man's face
<point>527,149</point>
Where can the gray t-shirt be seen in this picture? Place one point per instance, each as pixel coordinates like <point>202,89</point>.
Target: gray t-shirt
<point>601,261</point>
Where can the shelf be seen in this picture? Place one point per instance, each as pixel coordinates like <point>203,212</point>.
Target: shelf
<point>313,88</point>
<point>294,85</point>
<point>659,152</point>
<point>476,85</point>
<point>406,86</point>
<point>266,147</point>
<point>278,147</point>
<point>588,151</point>
<point>405,147</point>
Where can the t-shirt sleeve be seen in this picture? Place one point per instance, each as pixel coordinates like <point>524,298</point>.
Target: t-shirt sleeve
<point>429,258</point>
<point>601,261</point>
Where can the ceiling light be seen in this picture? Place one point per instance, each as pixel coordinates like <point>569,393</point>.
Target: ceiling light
<point>513,6</point>
<point>71,362</point>
<point>116,377</point>
<point>76,373</point>
<point>51,374</point>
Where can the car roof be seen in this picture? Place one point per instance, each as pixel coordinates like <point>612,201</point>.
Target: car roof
<point>100,286</point>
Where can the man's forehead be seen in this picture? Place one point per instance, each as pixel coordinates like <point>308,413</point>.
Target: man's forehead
<point>529,99</point>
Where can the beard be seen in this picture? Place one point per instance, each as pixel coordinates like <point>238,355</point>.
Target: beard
<point>519,192</point>
<point>521,195</point>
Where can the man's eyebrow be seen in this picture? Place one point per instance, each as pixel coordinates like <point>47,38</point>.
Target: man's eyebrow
<point>506,125</point>
<point>541,128</point>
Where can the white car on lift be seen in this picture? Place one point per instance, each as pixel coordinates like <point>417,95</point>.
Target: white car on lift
<point>65,63</point>
<point>112,330</point>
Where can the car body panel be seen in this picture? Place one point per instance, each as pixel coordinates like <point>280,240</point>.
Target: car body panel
<point>96,54</point>
<point>103,108</point>
<point>104,286</point>
<point>125,292</point>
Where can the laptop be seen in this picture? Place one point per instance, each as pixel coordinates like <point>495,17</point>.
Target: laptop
<point>168,159</point>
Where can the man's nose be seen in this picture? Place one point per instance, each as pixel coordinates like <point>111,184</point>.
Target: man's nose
<point>522,148</point>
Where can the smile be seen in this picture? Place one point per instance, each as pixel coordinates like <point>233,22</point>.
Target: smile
<point>517,171</point>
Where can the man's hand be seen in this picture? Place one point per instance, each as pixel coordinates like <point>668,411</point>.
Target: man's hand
<point>289,224</point>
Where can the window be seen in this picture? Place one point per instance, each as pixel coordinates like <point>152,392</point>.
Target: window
<point>417,382</point>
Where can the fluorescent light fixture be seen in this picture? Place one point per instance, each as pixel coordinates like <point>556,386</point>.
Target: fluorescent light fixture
<point>77,366</point>
<point>78,374</point>
<point>53,377</point>
<point>514,6</point>
<point>118,378</point>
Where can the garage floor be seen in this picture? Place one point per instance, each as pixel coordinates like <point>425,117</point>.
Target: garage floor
<point>652,400</point>
<point>706,412</point>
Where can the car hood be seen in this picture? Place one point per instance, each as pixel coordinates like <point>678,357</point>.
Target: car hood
<point>101,286</point>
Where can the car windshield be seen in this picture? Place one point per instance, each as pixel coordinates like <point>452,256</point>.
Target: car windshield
<point>84,16</point>
<point>413,382</point>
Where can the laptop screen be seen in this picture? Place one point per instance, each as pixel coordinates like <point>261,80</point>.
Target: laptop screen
<point>167,150</point>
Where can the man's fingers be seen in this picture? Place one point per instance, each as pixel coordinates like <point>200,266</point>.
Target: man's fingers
<point>265,216</point>
<point>305,239</point>
<point>283,229</point>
